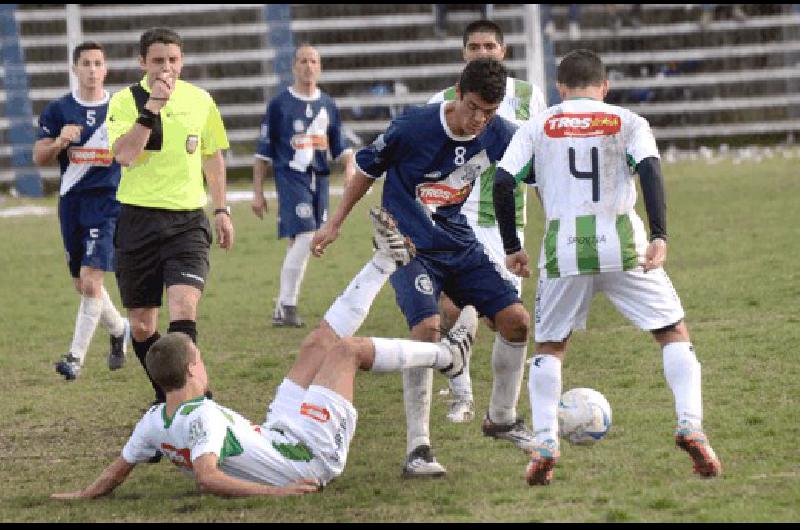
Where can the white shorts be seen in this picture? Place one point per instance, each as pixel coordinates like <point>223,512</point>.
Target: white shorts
<point>493,243</point>
<point>646,299</point>
<point>323,421</point>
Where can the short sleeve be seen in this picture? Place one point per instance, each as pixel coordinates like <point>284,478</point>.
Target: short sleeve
<point>50,122</point>
<point>213,137</point>
<point>207,430</point>
<point>139,448</point>
<point>519,153</point>
<point>265,149</point>
<point>639,140</point>
<point>374,159</point>
<point>122,115</point>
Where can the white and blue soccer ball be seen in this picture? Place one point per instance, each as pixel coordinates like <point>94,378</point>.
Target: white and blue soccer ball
<point>584,416</point>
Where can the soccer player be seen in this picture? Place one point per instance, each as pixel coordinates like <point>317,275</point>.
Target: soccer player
<point>299,128</point>
<point>432,155</point>
<point>584,154</point>
<point>522,101</point>
<point>166,133</point>
<point>72,130</point>
<point>304,441</point>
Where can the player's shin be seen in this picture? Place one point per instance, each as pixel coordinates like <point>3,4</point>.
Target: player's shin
<point>544,387</point>
<point>392,355</point>
<point>417,390</point>
<point>508,367</point>
<point>294,268</point>
<point>682,371</point>
<point>351,308</point>
<point>85,325</point>
<point>110,318</point>
<point>141,348</point>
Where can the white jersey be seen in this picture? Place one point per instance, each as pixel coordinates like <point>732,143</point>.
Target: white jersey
<point>201,426</point>
<point>583,154</point>
<point>521,102</point>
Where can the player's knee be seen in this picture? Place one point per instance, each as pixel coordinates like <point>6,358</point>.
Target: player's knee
<point>514,323</point>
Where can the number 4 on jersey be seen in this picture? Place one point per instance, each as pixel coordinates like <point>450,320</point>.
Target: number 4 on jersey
<point>592,175</point>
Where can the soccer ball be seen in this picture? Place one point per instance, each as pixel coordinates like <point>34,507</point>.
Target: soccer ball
<point>584,416</point>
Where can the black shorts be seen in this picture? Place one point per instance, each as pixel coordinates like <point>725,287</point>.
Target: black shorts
<point>157,248</point>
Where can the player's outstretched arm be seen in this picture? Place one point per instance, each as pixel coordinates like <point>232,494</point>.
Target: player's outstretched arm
<point>211,479</point>
<point>327,234</point>
<point>110,478</point>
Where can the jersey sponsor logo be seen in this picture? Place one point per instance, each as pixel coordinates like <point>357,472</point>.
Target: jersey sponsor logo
<point>303,210</point>
<point>179,457</point>
<point>193,277</point>
<point>314,412</point>
<point>586,240</point>
<point>423,284</point>
<point>582,125</point>
<point>433,176</point>
<point>93,156</point>
<point>309,141</point>
<point>435,195</point>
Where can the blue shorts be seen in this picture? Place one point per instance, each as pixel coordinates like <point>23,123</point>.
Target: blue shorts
<point>468,277</point>
<point>88,219</point>
<point>302,201</point>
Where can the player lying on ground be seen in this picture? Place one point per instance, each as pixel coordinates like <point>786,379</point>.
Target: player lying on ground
<point>304,441</point>
<point>584,154</point>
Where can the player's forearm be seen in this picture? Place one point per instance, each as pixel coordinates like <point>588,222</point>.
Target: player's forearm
<point>131,144</point>
<point>109,479</point>
<point>259,174</point>
<point>353,192</point>
<point>655,203</point>
<point>505,210</point>
<point>214,169</point>
<point>45,151</point>
<point>223,485</point>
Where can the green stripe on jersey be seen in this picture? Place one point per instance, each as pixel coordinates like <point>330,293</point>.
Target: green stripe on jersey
<point>626,244</point>
<point>230,447</point>
<point>297,452</point>
<point>523,91</point>
<point>550,249</point>
<point>586,244</point>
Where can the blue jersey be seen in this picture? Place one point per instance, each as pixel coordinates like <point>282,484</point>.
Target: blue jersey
<point>297,131</point>
<point>430,173</point>
<point>87,163</point>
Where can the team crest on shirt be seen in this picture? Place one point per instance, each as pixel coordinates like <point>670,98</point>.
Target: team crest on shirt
<point>303,210</point>
<point>192,141</point>
<point>423,284</point>
<point>197,433</point>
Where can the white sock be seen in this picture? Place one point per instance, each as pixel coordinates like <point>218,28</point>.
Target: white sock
<point>461,386</point>
<point>392,355</point>
<point>85,324</point>
<point>544,388</point>
<point>508,367</point>
<point>417,390</point>
<point>682,371</point>
<point>349,311</point>
<point>110,318</point>
<point>294,268</point>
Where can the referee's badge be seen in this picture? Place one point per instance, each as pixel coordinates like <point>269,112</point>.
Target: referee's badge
<point>191,143</point>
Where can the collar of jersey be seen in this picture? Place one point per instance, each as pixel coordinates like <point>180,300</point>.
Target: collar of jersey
<point>169,419</point>
<point>317,93</point>
<point>83,103</point>
<point>447,130</point>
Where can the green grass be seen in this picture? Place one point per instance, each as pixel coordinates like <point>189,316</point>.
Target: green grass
<point>732,258</point>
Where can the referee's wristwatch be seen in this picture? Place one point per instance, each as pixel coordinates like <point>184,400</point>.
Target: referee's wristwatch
<point>226,210</point>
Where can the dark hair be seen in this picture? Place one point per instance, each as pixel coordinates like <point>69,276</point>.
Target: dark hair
<point>485,77</point>
<point>168,359</point>
<point>84,46</point>
<point>581,68</point>
<point>162,35</point>
<point>483,26</point>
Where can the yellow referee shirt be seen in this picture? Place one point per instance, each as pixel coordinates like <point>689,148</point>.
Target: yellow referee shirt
<point>171,178</point>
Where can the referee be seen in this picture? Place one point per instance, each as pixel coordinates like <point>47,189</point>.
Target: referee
<point>166,133</point>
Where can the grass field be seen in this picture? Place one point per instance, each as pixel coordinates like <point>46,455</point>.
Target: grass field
<point>732,257</point>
